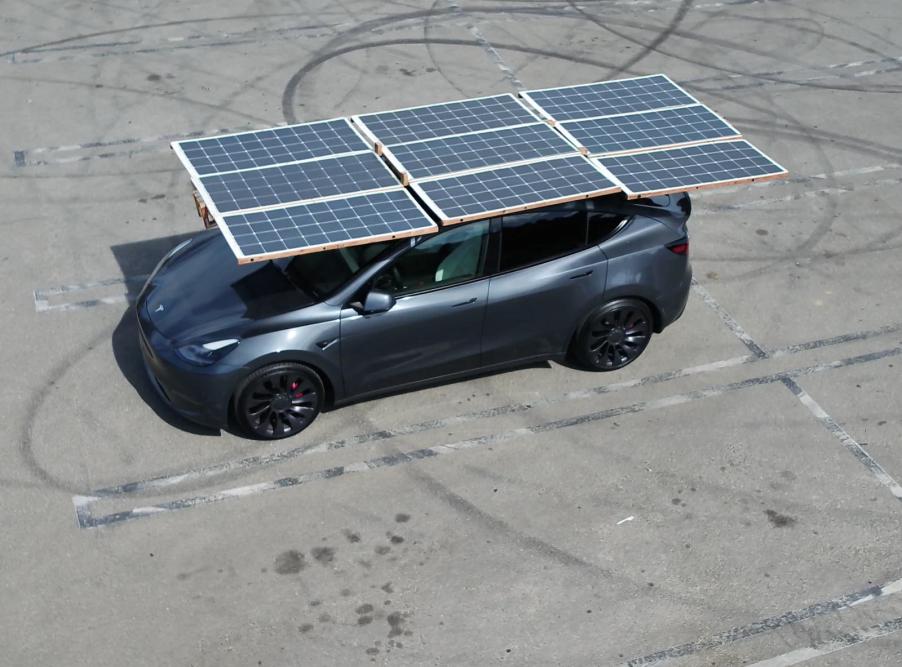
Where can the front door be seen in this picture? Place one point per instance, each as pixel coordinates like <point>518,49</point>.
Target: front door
<point>435,327</point>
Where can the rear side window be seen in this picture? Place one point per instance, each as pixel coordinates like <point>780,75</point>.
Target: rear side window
<point>602,223</point>
<point>537,236</point>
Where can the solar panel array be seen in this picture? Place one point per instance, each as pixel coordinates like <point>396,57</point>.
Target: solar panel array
<point>315,186</point>
<point>642,132</point>
<point>476,158</point>
<point>443,120</point>
<point>475,195</point>
<point>329,224</point>
<point>300,188</point>
<point>675,169</point>
<point>298,181</point>
<point>608,98</point>
<point>648,129</point>
<point>447,155</point>
<point>280,145</point>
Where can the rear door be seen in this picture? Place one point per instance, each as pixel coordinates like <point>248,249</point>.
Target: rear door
<point>435,327</point>
<point>551,273</point>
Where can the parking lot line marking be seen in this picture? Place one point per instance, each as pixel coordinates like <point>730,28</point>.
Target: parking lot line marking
<point>825,419</point>
<point>767,625</point>
<point>836,340</point>
<point>728,320</point>
<point>163,482</point>
<point>838,643</point>
<point>487,46</point>
<point>86,519</point>
<point>847,440</point>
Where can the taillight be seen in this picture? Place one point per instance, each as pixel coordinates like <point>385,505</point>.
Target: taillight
<point>681,248</point>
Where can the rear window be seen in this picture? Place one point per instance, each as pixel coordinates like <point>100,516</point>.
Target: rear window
<point>603,221</point>
<point>537,236</point>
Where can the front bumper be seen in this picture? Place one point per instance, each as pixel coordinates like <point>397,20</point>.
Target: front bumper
<point>200,394</point>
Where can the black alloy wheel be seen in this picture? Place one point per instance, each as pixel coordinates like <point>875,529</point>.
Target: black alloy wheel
<point>279,401</point>
<point>614,335</point>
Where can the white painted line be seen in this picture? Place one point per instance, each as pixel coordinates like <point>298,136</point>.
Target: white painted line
<point>622,521</point>
<point>837,644</point>
<point>87,520</point>
<point>847,440</point>
<point>766,625</point>
<point>728,320</point>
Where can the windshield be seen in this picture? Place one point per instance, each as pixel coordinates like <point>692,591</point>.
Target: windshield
<point>321,273</point>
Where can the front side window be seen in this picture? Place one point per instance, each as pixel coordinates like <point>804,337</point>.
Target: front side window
<point>537,236</point>
<point>324,272</point>
<point>451,257</point>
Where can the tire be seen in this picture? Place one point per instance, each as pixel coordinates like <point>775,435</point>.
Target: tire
<point>613,335</point>
<point>278,401</point>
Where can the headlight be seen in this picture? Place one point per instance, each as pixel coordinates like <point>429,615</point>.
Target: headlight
<point>204,354</point>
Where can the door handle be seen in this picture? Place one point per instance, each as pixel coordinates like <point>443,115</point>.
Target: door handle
<point>464,303</point>
<point>581,275</point>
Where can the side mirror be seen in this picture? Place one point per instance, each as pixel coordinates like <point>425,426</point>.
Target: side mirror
<point>377,302</point>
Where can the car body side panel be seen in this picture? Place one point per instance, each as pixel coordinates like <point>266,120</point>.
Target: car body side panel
<point>534,311</point>
<point>422,336</point>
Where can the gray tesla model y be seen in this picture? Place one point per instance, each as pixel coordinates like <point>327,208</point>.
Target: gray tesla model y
<point>267,346</point>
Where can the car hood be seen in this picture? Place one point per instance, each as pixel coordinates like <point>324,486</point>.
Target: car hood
<point>203,291</point>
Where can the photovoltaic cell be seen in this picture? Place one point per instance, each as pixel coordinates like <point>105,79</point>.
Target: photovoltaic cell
<point>297,182</point>
<point>610,97</point>
<point>482,193</point>
<point>447,155</point>
<point>676,169</point>
<point>305,227</point>
<point>263,148</point>
<point>650,129</point>
<point>442,120</point>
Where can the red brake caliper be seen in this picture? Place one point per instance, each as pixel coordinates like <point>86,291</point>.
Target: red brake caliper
<point>295,385</point>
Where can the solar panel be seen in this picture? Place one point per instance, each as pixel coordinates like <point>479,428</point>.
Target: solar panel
<point>609,97</point>
<point>442,120</point>
<point>263,148</point>
<point>324,225</point>
<point>435,157</point>
<point>283,184</point>
<point>475,195</point>
<point>649,129</point>
<point>693,167</point>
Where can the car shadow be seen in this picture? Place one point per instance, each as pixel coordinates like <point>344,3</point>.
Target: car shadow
<point>136,261</point>
<point>390,393</point>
